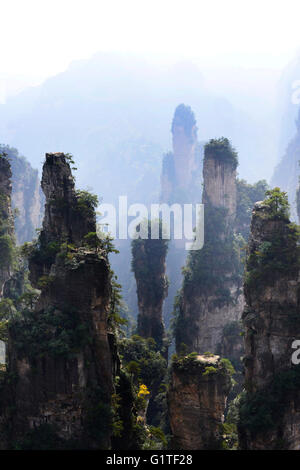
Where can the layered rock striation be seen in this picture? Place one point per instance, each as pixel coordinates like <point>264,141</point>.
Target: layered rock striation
<point>61,348</point>
<point>197,399</point>
<point>211,297</point>
<point>269,412</point>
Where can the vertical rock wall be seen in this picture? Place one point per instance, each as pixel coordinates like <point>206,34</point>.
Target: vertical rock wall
<point>270,413</point>
<point>148,262</point>
<point>211,297</point>
<point>197,400</point>
<point>62,350</point>
<point>6,222</point>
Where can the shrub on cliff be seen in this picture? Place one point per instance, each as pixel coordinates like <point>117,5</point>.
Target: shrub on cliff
<point>277,203</point>
<point>222,150</point>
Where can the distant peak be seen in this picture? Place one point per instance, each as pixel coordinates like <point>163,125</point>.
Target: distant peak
<point>184,117</point>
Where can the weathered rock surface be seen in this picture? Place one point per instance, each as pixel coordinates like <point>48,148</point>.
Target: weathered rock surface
<point>148,262</point>
<point>197,399</point>
<point>219,184</point>
<point>62,353</point>
<point>6,222</point>
<point>270,413</point>
<point>211,296</point>
<point>207,328</point>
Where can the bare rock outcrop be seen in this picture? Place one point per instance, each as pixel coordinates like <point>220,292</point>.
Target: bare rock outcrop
<point>6,222</point>
<point>149,266</point>
<point>197,399</point>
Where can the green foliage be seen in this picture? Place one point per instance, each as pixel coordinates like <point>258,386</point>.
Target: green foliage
<point>148,265</point>
<point>40,252</point>
<point>133,369</point>
<point>209,271</point>
<point>117,309</point>
<point>70,159</point>
<point>247,196</point>
<point>221,150</point>
<point>209,370</point>
<point>148,256</point>
<point>219,256</point>
<point>98,416</point>
<point>155,439</point>
<point>148,370</point>
<point>7,311</point>
<point>7,251</point>
<point>44,282</point>
<point>93,241</point>
<point>227,366</point>
<point>229,427</point>
<point>146,358</point>
<point>185,363</point>
<point>263,410</point>
<point>279,255</point>
<point>49,332</point>
<point>278,204</point>
<point>117,423</point>
<point>86,203</point>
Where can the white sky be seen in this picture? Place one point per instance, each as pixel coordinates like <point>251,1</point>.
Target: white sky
<point>41,37</point>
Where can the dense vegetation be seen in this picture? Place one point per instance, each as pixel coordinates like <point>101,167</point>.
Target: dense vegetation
<point>222,150</point>
<point>263,410</point>
<point>145,364</point>
<point>148,265</point>
<point>279,253</point>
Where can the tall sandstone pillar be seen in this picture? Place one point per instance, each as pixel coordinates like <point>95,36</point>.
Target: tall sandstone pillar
<point>6,223</point>
<point>181,172</point>
<point>61,348</point>
<point>197,396</point>
<point>270,409</point>
<point>149,266</point>
<point>211,298</point>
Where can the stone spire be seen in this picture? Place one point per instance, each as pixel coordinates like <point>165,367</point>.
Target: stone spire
<point>269,413</point>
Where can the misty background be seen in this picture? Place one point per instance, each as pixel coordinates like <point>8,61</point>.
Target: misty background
<point>101,80</point>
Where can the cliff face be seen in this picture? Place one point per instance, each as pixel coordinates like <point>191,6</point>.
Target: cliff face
<point>27,196</point>
<point>270,414</point>
<point>197,400</point>
<point>219,176</point>
<point>211,297</point>
<point>181,182</point>
<point>148,263</point>
<point>6,222</point>
<point>62,350</point>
